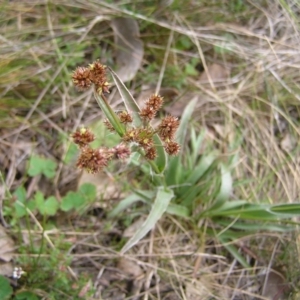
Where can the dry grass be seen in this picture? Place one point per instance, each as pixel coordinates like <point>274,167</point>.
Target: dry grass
<point>258,103</point>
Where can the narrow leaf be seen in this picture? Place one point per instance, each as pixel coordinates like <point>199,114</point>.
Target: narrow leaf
<point>184,121</point>
<point>160,205</point>
<point>197,173</point>
<point>290,209</point>
<point>234,252</point>
<point>161,160</point>
<point>110,114</point>
<point>178,210</point>
<point>124,204</point>
<point>128,99</point>
<point>225,188</point>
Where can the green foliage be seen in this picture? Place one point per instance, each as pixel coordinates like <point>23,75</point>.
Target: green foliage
<point>41,166</point>
<point>46,207</point>
<point>25,296</point>
<point>78,200</point>
<point>70,153</point>
<point>200,187</point>
<point>5,288</point>
<point>51,275</point>
<point>160,205</point>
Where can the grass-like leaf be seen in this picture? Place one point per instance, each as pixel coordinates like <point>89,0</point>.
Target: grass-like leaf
<point>127,98</point>
<point>234,252</point>
<point>225,188</point>
<point>289,209</point>
<point>110,114</point>
<point>160,205</point>
<point>128,201</point>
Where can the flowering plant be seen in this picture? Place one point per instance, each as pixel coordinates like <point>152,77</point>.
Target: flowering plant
<point>134,127</point>
<point>138,135</point>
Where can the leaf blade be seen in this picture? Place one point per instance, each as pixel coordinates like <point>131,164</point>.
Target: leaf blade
<point>160,205</point>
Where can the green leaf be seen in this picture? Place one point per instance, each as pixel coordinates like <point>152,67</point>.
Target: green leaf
<point>88,191</point>
<point>190,70</point>
<point>71,153</point>
<point>73,200</point>
<point>6,290</point>
<point>160,205</point>
<point>290,209</point>
<point>161,160</point>
<point>184,121</point>
<point>249,211</point>
<point>234,252</point>
<point>110,114</point>
<point>131,199</point>
<point>252,227</point>
<point>20,208</point>
<point>46,207</point>
<point>128,99</point>
<point>39,165</point>
<point>225,188</point>
<point>178,210</point>
<point>67,202</point>
<point>76,200</point>
<point>198,171</point>
<point>124,204</point>
<point>196,143</point>
<point>25,296</point>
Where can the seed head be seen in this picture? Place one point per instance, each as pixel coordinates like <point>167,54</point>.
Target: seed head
<point>82,78</point>
<point>155,101</point>
<point>152,105</point>
<point>121,151</point>
<point>151,153</point>
<point>98,77</point>
<point>82,137</point>
<point>125,117</point>
<point>172,148</point>
<point>93,160</point>
<point>130,135</point>
<point>168,127</point>
<point>148,113</point>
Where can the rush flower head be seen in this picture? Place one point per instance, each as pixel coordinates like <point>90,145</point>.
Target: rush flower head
<point>147,113</point>
<point>151,153</point>
<point>130,135</point>
<point>152,105</point>
<point>93,160</point>
<point>155,101</point>
<point>172,148</point>
<point>145,137</point>
<point>121,151</point>
<point>82,137</point>
<point>167,128</point>
<point>98,77</point>
<point>82,78</point>
<point>125,117</point>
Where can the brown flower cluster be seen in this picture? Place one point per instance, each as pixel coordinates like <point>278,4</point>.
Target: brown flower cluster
<point>152,105</point>
<point>95,73</point>
<point>143,136</point>
<point>94,160</point>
